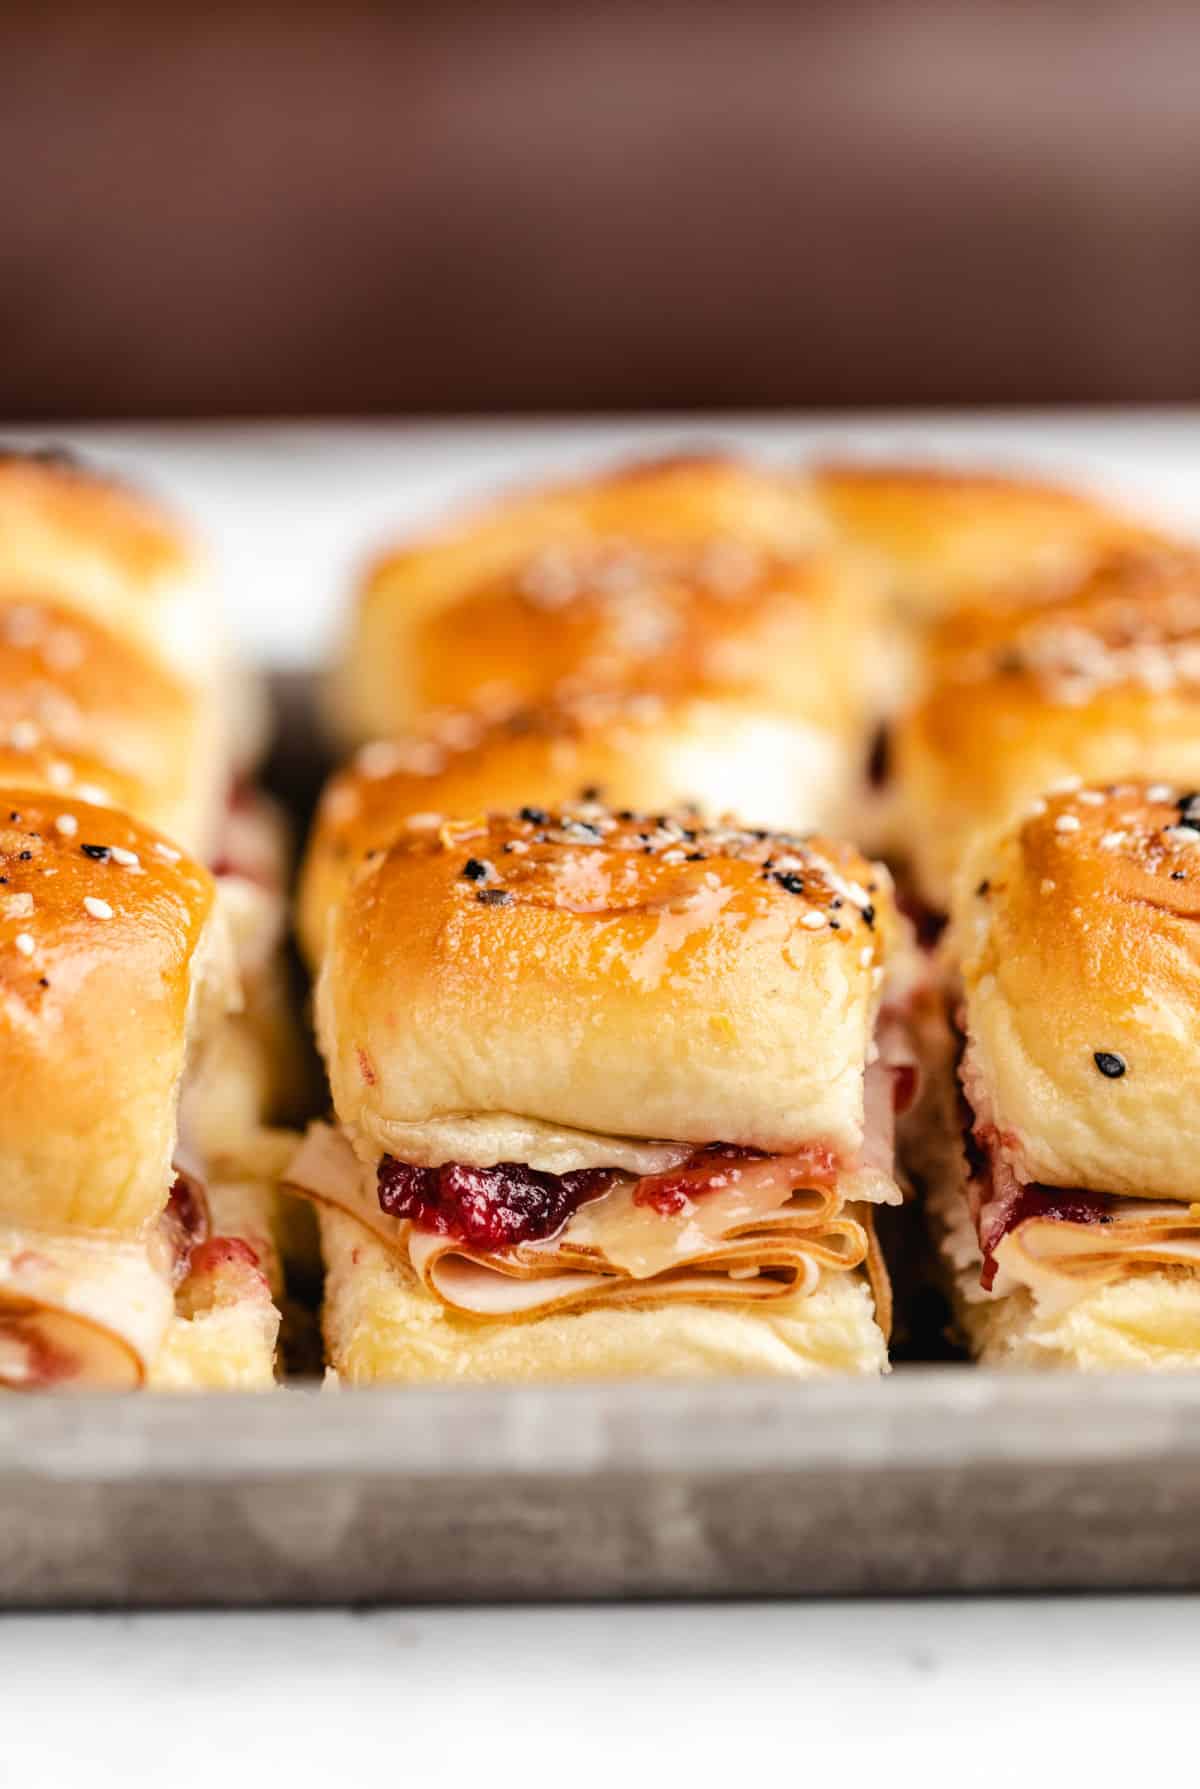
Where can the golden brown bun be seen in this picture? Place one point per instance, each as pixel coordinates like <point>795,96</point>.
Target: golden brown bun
<point>72,690</point>
<point>1078,933</point>
<point>106,550</point>
<point>646,752</point>
<point>1103,683</point>
<point>101,963</point>
<point>679,575</point>
<point>381,1327</point>
<point>938,536</point>
<point>632,977</point>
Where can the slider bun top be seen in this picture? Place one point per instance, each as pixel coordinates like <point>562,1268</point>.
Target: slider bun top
<point>1103,683</point>
<point>69,685</point>
<point>649,752</point>
<point>1078,932</point>
<point>637,977</point>
<point>937,535</point>
<point>692,571</point>
<point>108,550</point>
<point>105,965</point>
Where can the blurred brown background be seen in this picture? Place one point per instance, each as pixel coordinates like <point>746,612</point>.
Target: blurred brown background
<point>596,205</point>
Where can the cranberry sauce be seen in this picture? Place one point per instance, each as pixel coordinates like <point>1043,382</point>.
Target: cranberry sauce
<point>185,1220</point>
<point>1066,1205</point>
<point>707,1171</point>
<point>489,1208</point>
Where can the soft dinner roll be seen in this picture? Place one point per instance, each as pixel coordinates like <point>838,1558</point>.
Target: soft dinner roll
<point>679,576</point>
<point>1078,935</point>
<point>937,536</point>
<point>72,690</point>
<point>1102,683</point>
<point>98,546</point>
<point>108,551</point>
<point>109,962</point>
<point>626,975</point>
<point>649,752</point>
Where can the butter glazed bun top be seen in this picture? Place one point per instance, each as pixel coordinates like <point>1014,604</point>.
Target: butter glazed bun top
<point>678,574</point>
<point>1078,932</point>
<point>107,550</point>
<point>70,689</point>
<point>108,954</point>
<point>620,975</point>
<point>1102,683</point>
<point>937,535</point>
<point>649,751</point>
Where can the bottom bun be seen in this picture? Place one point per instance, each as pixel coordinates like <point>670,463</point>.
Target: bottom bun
<point>382,1327</point>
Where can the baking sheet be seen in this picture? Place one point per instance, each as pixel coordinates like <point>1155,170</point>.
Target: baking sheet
<point>936,1479</point>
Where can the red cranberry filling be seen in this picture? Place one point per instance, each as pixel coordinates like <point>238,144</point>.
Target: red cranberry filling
<point>490,1208</point>
<point>703,1172</point>
<point>185,1219</point>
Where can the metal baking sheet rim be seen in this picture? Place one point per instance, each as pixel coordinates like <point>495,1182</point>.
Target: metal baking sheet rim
<point>939,1479</point>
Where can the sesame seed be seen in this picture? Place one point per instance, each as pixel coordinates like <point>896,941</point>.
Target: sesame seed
<point>129,860</point>
<point>167,852</point>
<point>1182,835</point>
<point>24,943</point>
<point>1110,840</point>
<point>67,824</point>
<point>1048,886</point>
<point>812,920</point>
<point>98,853</point>
<point>1158,792</point>
<point>1067,823</point>
<point>97,908</point>
<point>1091,798</point>
<point>58,775</point>
<point>865,955</point>
<point>1036,808</point>
<point>1110,1063</point>
<point>23,735</point>
<point>476,870</point>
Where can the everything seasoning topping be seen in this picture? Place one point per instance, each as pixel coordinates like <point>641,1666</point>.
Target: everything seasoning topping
<point>1110,1063</point>
<point>589,858</point>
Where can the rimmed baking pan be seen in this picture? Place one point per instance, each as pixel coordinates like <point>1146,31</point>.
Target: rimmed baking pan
<point>936,1479</point>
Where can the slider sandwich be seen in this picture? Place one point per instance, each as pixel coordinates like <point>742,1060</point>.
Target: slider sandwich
<point>1100,684</point>
<point>610,1097</point>
<point>115,972</point>
<point>707,583</point>
<point>1069,1222</point>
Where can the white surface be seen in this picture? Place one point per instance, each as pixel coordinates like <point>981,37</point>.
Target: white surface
<point>292,511</point>
<point>1020,1693</point>
<point>1015,1692</point>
